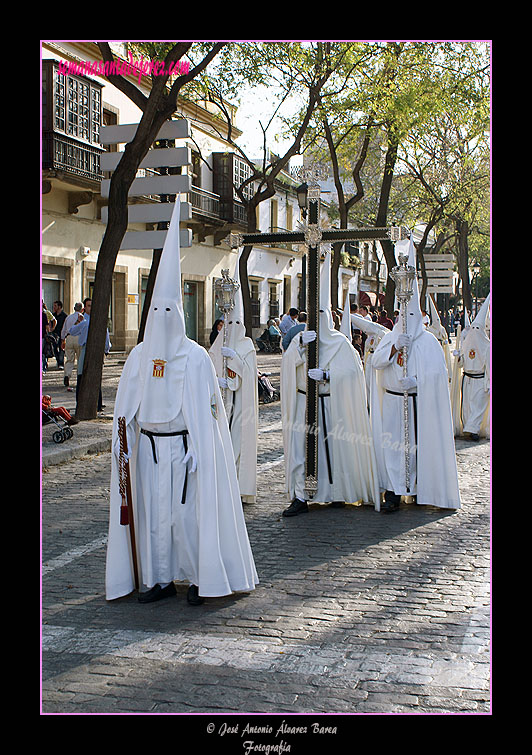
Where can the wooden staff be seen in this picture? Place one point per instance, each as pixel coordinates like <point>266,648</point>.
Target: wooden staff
<point>313,238</point>
<point>126,507</point>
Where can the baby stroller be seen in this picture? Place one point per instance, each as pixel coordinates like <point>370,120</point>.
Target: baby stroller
<point>60,417</point>
<point>267,392</point>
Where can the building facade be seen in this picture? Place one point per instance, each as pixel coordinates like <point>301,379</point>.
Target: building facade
<point>75,106</point>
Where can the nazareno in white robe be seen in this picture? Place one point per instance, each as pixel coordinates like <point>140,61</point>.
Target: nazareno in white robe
<point>352,459</point>
<point>242,402</point>
<point>434,476</point>
<point>204,541</point>
<point>168,384</point>
<point>474,360</point>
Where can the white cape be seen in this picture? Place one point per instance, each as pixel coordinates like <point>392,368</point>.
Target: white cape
<point>437,476</point>
<point>242,409</point>
<point>218,559</point>
<point>354,471</point>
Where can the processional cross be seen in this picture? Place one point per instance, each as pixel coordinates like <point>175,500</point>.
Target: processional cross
<point>312,235</point>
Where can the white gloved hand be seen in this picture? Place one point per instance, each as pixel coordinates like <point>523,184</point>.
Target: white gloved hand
<point>456,353</point>
<point>403,340</point>
<point>190,459</point>
<point>408,382</point>
<point>308,335</point>
<point>222,382</point>
<point>318,374</point>
<point>227,352</point>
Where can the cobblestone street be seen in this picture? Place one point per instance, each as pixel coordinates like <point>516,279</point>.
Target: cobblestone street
<point>356,612</point>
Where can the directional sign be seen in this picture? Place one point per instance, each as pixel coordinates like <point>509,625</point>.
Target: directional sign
<point>439,269</point>
<point>153,185</point>
<point>158,212</point>
<point>178,129</point>
<point>153,239</point>
<point>156,158</point>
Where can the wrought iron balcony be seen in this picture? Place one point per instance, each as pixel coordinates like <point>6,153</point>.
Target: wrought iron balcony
<point>204,202</point>
<point>210,205</point>
<point>71,156</point>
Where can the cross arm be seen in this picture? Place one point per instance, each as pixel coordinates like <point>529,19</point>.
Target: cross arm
<point>333,235</point>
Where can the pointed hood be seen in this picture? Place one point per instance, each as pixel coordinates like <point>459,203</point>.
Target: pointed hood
<point>436,326</point>
<point>345,327</point>
<point>236,330</point>
<point>165,337</point>
<point>234,327</point>
<point>414,318</point>
<point>482,318</point>
<point>476,337</point>
<point>330,339</point>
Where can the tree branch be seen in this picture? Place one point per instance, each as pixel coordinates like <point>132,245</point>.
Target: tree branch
<point>120,82</point>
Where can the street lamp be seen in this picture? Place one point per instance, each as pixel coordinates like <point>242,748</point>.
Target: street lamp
<point>476,270</point>
<point>302,198</point>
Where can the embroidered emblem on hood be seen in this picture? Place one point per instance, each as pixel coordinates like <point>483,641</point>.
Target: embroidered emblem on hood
<point>158,367</point>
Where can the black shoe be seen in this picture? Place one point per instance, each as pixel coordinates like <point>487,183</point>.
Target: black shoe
<point>296,507</point>
<point>391,502</point>
<point>193,597</point>
<point>157,593</point>
<point>337,505</point>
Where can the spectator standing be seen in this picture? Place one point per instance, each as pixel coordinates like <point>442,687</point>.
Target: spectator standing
<point>70,344</point>
<point>48,323</point>
<point>288,321</point>
<point>60,317</point>
<point>301,324</point>
<point>216,328</point>
<point>385,320</point>
<point>81,329</point>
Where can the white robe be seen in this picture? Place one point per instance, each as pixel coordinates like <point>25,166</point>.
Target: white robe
<point>475,398</point>
<point>433,476</point>
<point>242,409</point>
<point>374,332</point>
<point>203,541</point>
<point>353,466</point>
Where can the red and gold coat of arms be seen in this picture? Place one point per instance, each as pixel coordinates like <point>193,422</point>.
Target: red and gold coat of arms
<point>158,367</point>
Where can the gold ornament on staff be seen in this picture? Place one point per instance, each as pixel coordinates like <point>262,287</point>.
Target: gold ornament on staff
<point>404,276</point>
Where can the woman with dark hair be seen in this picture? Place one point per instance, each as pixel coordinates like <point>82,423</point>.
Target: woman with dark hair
<point>216,328</point>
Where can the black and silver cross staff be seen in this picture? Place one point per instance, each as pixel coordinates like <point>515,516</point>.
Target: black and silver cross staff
<point>312,235</point>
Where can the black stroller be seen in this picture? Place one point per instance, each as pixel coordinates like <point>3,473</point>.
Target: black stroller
<point>60,418</point>
<point>267,392</point>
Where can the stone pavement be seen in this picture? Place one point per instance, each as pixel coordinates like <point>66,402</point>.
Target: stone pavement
<point>356,612</point>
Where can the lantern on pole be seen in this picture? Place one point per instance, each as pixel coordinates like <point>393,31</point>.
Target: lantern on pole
<point>404,276</point>
<point>225,289</point>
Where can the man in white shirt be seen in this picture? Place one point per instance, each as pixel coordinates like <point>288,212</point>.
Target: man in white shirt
<point>70,343</point>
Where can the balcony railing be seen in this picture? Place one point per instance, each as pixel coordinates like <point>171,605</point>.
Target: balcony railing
<point>214,206</point>
<point>204,202</point>
<point>62,153</point>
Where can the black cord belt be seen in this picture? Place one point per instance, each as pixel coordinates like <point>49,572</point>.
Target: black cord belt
<point>184,433</point>
<point>413,396</point>
<point>474,374</point>
<point>320,394</point>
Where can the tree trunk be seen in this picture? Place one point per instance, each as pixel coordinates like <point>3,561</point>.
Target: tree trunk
<point>121,181</point>
<point>388,247</point>
<point>462,230</point>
